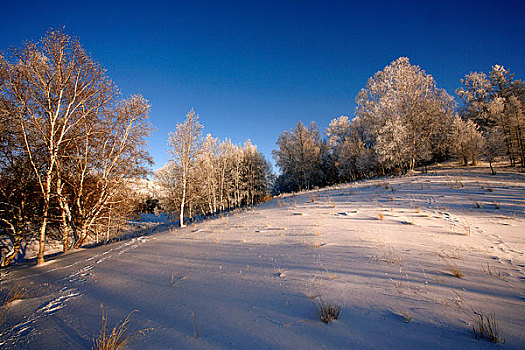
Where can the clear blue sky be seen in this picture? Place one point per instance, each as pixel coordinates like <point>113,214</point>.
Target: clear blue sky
<point>253,69</point>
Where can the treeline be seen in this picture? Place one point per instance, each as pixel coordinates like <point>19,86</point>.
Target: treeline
<point>404,120</point>
<point>68,144</point>
<point>207,176</point>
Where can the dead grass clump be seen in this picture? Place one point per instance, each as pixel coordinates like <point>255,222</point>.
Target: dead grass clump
<point>312,198</point>
<point>15,294</point>
<point>486,327</point>
<point>492,272</point>
<point>118,338</point>
<point>452,267</point>
<point>332,202</point>
<point>389,255</point>
<point>315,245</point>
<point>381,216</point>
<point>328,312</point>
<point>496,205</point>
<point>406,316</point>
<point>266,198</point>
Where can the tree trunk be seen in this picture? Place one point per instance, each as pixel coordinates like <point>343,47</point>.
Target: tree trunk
<point>82,238</point>
<point>42,241</point>
<point>183,202</point>
<point>14,251</point>
<point>492,171</point>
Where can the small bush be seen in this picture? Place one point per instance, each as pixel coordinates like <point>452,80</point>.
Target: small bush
<point>486,327</point>
<point>328,312</point>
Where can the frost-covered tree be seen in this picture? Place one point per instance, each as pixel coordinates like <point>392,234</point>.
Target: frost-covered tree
<point>346,140</point>
<point>300,157</point>
<point>467,140</point>
<point>496,103</point>
<point>51,92</point>
<point>185,146</point>
<point>221,176</point>
<point>406,115</point>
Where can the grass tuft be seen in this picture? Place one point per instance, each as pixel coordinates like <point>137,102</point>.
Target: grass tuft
<point>328,312</point>
<point>452,267</point>
<point>486,327</point>
<point>381,216</point>
<point>332,202</point>
<point>492,272</point>
<point>118,338</point>
<point>16,293</point>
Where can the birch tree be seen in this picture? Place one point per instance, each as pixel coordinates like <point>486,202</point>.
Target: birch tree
<point>185,145</point>
<point>52,87</point>
<point>77,137</point>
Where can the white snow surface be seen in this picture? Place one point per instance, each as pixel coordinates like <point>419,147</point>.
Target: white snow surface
<point>251,279</point>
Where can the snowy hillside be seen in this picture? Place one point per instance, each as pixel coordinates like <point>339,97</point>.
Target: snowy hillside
<point>385,250</point>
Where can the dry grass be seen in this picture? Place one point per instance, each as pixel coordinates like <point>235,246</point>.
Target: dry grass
<point>315,245</point>
<point>492,272</point>
<point>266,198</point>
<point>195,324</point>
<point>450,254</point>
<point>118,338</point>
<point>328,312</point>
<point>486,327</point>
<point>15,294</point>
<point>332,202</point>
<point>381,216</point>
<point>452,267</point>
<point>388,255</point>
<point>407,317</point>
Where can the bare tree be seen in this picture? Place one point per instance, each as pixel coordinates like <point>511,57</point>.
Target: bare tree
<point>78,139</point>
<point>185,145</point>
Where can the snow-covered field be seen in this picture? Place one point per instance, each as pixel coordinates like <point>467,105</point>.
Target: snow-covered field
<point>382,249</point>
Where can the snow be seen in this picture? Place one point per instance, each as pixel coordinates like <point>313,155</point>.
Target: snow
<point>252,279</point>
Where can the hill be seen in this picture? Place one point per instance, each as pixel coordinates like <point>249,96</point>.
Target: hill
<point>388,251</point>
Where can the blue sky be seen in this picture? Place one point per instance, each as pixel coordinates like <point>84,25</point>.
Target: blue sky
<point>253,69</point>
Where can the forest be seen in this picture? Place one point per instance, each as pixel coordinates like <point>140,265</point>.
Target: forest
<point>71,145</point>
